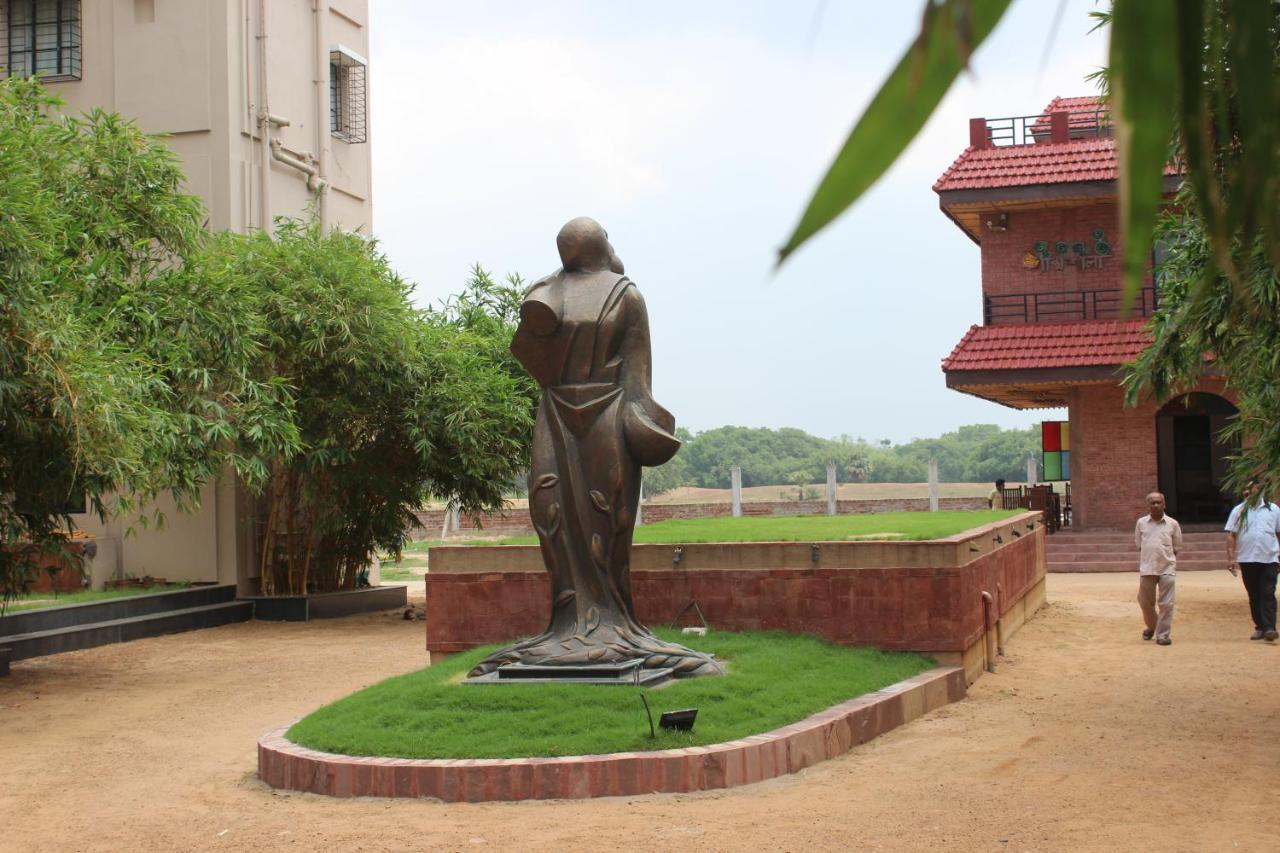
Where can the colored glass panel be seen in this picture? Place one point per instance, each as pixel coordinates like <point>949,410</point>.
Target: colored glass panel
<point>1052,465</point>
<point>1065,432</point>
<point>1050,436</point>
<point>1066,465</point>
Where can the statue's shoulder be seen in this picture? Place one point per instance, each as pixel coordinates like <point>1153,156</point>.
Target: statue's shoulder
<point>547,281</point>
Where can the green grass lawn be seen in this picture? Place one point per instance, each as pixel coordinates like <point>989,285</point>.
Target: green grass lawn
<point>804,528</point>
<point>421,546</point>
<point>774,679</point>
<point>402,572</point>
<point>43,600</point>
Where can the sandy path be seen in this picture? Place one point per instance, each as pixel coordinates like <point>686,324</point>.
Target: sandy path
<point>1087,738</point>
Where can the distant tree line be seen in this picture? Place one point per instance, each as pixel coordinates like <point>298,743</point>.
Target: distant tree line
<point>974,453</point>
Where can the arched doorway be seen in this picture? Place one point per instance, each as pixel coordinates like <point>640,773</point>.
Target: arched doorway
<point>1192,458</point>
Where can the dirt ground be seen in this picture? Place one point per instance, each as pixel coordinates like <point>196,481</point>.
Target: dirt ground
<point>1086,738</point>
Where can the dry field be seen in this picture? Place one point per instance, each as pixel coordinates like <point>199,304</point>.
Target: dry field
<point>1086,739</point>
<point>845,491</point>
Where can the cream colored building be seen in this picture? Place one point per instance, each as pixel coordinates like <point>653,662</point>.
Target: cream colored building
<point>266,103</point>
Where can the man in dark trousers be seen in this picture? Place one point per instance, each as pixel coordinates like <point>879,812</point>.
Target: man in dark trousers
<point>1253,544</point>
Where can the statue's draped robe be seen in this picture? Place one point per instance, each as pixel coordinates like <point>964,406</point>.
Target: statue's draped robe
<point>584,336</point>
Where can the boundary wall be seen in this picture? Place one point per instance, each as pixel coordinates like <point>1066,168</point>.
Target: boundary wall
<point>515,521</point>
<point>908,596</point>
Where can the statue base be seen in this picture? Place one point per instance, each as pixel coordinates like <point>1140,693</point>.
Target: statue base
<point>631,672</point>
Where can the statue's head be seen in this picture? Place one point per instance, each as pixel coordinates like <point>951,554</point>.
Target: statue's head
<point>584,247</point>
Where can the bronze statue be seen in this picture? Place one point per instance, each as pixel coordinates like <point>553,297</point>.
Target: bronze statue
<point>584,336</point>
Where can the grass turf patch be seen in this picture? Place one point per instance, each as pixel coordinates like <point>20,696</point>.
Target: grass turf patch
<point>774,679</point>
<point>403,572</point>
<point>804,528</point>
<point>46,600</point>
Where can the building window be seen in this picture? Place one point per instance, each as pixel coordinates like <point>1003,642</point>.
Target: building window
<point>347,94</point>
<point>40,37</point>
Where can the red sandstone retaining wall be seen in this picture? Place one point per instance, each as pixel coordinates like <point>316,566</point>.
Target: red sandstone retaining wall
<point>916,596</point>
<point>516,521</point>
<point>282,764</point>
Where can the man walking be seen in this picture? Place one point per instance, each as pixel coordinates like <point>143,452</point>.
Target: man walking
<point>1253,544</point>
<point>1158,538</point>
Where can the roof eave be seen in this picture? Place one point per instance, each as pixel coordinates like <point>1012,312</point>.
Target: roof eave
<point>1023,193</point>
<point>959,224</point>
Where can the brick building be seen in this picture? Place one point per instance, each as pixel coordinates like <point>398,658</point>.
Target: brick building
<point>1039,196</point>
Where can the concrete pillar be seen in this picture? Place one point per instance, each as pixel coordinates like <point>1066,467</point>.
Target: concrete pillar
<point>735,486</point>
<point>450,520</point>
<point>831,488</point>
<point>640,506</point>
<point>933,485</point>
<point>1031,470</point>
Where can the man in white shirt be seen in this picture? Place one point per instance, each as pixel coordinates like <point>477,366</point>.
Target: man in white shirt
<point>1253,544</point>
<point>1158,538</point>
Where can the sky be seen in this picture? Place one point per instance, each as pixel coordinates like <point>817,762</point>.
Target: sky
<point>695,133</point>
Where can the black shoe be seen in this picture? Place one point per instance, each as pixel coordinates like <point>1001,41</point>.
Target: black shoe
<point>1148,634</point>
<point>1258,634</point>
<point>1164,641</point>
<point>1270,636</point>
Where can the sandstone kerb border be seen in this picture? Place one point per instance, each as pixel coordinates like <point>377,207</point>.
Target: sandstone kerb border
<point>826,734</point>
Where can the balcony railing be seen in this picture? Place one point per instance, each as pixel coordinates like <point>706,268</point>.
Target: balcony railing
<point>1065,306</point>
<point>1057,127</point>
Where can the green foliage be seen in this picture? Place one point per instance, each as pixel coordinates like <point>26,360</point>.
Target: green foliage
<point>774,679</point>
<point>975,453</point>
<point>1202,311</point>
<point>1220,280</point>
<point>113,378</point>
<point>805,528</point>
<point>392,407</point>
<point>768,457</point>
<point>1206,65</point>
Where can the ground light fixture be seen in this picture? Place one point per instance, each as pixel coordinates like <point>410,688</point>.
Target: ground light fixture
<point>676,721</point>
<point>679,721</point>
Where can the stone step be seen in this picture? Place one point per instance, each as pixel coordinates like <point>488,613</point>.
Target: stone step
<point>1131,565</point>
<point>1127,542</point>
<point>1060,539</point>
<point>1131,553</point>
<point>85,636</point>
<point>124,607</point>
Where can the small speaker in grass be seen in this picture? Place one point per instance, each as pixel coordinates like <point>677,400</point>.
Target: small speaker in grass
<point>680,721</point>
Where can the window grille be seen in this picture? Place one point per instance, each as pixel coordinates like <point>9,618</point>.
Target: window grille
<point>347,93</point>
<point>40,37</point>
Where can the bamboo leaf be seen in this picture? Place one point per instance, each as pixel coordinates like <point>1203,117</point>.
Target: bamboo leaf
<point>949,33</point>
<point>1251,58</point>
<point>1144,84</point>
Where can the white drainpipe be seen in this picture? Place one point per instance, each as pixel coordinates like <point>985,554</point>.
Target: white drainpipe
<point>264,124</point>
<point>321,12</point>
<point>303,161</point>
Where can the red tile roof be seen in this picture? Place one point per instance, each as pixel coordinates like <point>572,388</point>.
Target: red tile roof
<point>1084,159</point>
<point>1076,105</point>
<point>1041,345</point>
<point>1020,165</point>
